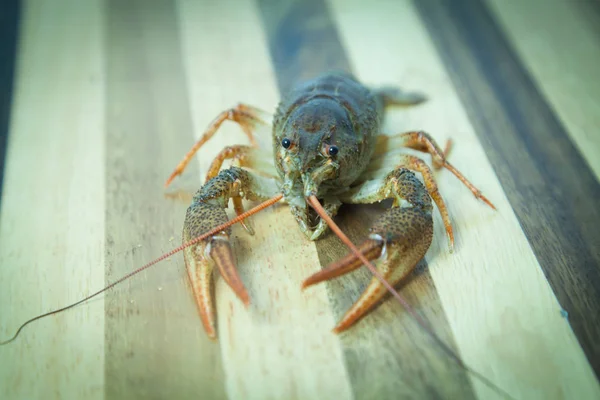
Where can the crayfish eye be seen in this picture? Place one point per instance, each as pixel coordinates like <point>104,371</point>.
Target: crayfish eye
<point>286,143</point>
<point>333,150</point>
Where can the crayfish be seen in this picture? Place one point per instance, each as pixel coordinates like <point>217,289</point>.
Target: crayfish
<point>328,151</point>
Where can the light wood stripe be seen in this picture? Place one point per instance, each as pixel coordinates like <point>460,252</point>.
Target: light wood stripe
<point>52,224</point>
<point>561,49</point>
<point>110,95</point>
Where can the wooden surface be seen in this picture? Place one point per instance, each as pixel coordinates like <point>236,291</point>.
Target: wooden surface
<point>108,95</point>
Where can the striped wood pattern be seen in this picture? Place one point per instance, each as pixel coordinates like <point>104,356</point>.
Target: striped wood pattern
<point>109,95</point>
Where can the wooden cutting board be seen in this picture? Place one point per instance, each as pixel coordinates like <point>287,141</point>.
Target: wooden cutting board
<point>107,96</point>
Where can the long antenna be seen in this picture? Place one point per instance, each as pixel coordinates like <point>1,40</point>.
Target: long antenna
<point>213,231</point>
<point>314,202</point>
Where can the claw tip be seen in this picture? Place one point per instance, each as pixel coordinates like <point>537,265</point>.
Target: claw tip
<point>306,284</point>
<point>489,203</point>
<point>451,242</point>
<point>171,178</point>
<point>244,298</point>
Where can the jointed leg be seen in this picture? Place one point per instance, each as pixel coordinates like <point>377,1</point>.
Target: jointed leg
<point>401,237</point>
<point>422,141</point>
<point>243,156</point>
<point>390,160</point>
<point>240,156</point>
<point>447,151</point>
<point>237,153</point>
<point>246,116</point>
<point>206,212</point>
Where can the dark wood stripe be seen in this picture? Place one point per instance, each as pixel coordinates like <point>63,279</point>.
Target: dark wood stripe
<point>303,40</point>
<point>10,18</point>
<point>589,13</point>
<point>549,185</point>
<point>149,128</point>
<point>387,355</point>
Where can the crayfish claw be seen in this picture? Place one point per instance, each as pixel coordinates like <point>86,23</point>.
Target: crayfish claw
<point>407,234</point>
<point>220,253</point>
<point>370,249</point>
<point>206,213</point>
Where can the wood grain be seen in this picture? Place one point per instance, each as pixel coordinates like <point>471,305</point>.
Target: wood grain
<point>549,185</point>
<point>110,95</point>
<point>10,19</point>
<point>149,125</point>
<point>376,369</point>
<point>262,347</point>
<point>561,51</point>
<point>52,217</point>
<point>303,40</point>
<point>493,260</point>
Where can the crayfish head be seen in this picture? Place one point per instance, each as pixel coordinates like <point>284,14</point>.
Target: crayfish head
<point>307,149</point>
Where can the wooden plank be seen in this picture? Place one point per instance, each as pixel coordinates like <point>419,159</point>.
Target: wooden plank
<point>10,19</point>
<point>281,346</point>
<point>52,224</point>
<point>166,70</point>
<point>560,48</point>
<point>549,186</point>
<point>304,42</point>
<point>155,343</point>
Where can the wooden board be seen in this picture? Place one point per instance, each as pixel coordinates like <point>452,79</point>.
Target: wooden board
<point>109,95</point>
